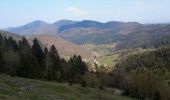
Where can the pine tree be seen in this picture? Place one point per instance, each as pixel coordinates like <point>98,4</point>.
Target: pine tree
<point>47,63</point>
<point>1,53</point>
<point>77,70</point>
<point>82,65</point>
<point>29,66</point>
<point>38,53</point>
<point>11,44</point>
<point>55,65</point>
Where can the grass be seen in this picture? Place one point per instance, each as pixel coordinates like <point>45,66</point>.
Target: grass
<point>14,88</point>
<point>101,49</point>
<point>110,57</point>
<point>107,57</point>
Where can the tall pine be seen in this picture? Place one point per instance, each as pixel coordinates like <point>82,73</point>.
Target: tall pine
<point>38,53</point>
<point>29,66</point>
<point>55,65</point>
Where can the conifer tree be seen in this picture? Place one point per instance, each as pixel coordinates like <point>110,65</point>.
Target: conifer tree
<point>55,65</point>
<point>29,66</point>
<point>38,53</point>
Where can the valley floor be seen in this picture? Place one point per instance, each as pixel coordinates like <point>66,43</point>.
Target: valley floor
<point>14,88</point>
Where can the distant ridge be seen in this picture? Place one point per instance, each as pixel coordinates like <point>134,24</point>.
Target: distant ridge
<point>9,34</point>
<point>124,34</point>
<point>41,27</point>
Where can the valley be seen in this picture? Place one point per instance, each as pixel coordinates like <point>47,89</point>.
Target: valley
<point>84,50</point>
<point>97,40</point>
<point>85,59</point>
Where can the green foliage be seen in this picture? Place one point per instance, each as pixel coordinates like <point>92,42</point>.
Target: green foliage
<point>145,75</point>
<point>153,60</point>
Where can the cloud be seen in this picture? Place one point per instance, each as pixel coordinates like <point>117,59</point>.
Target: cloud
<point>140,3</point>
<point>76,11</point>
<point>144,6</point>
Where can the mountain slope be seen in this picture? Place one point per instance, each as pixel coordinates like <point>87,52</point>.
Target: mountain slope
<point>64,22</point>
<point>127,35</point>
<point>64,47</point>
<point>95,32</point>
<point>151,36</point>
<point>39,27</point>
<point>35,27</point>
<point>8,34</point>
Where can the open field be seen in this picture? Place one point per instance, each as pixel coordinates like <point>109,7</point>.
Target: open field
<point>108,59</point>
<point>100,49</point>
<point>106,54</point>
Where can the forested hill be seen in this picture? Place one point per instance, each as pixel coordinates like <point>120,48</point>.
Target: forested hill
<point>145,75</point>
<point>157,59</point>
<point>152,36</point>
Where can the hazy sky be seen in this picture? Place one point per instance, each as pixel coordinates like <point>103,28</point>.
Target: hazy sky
<point>18,12</point>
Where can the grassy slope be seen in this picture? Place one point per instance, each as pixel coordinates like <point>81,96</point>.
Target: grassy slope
<point>107,57</point>
<point>65,48</point>
<point>28,89</point>
<point>101,49</point>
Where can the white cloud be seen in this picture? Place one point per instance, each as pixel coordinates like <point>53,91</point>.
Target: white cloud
<point>140,3</point>
<point>76,11</point>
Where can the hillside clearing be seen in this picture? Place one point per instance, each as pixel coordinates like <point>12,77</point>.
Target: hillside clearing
<point>14,88</point>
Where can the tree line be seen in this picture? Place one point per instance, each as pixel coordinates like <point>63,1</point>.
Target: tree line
<point>19,58</point>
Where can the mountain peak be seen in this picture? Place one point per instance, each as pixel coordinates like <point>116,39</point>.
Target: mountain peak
<point>64,22</point>
<point>36,23</point>
<point>90,21</point>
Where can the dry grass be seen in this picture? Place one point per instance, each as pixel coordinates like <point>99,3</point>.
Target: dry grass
<point>64,47</point>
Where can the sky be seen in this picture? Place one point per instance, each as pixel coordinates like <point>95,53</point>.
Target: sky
<point>18,12</point>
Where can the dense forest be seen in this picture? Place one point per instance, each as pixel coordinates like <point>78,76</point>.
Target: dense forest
<point>21,59</point>
<point>145,75</point>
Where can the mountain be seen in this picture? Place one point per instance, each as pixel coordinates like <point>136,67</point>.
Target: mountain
<point>125,34</point>
<point>96,32</point>
<point>82,24</point>
<point>35,27</point>
<point>39,27</point>
<point>64,22</point>
<point>64,47</point>
<point>74,31</point>
<point>9,34</point>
